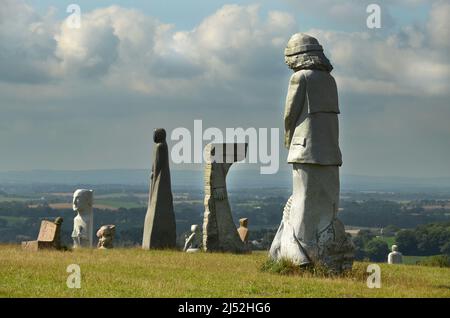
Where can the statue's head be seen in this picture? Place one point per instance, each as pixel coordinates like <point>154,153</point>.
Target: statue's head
<point>394,248</point>
<point>159,135</point>
<point>243,222</point>
<point>83,200</point>
<point>194,228</point>
<point>305,52</point>
<point>106,230</point>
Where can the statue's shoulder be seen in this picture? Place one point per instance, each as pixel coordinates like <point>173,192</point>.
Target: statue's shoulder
<point>298,77</point>
<point>161,146</point>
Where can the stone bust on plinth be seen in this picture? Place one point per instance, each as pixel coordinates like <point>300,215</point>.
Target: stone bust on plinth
<point>82,234</point>
<point>159,224</point>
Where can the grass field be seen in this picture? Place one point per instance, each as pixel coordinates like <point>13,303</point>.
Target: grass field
<point>139,273</point>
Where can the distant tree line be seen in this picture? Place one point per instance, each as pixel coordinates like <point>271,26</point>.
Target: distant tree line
<point>425,240</point>
<point>378,213</point>
<point>370,247</point>
<point>19,221</point>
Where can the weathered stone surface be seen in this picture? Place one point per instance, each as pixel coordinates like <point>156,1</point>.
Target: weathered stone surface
<point>219,230</point>
<point>47,231</point>
<point>48,237</point>
<point>193,242</point>
<point>83,223</point>
<point>106,236</point>
<point>395,257</point>
<point>310,232</point>
<point>160,226</point>
<point>243,230</point>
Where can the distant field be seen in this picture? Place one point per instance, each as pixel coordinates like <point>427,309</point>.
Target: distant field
<point>13,219</point>
<point>137,273</point>
<point>412,260</point>
<point>11,199</point>
<point>57,206</point>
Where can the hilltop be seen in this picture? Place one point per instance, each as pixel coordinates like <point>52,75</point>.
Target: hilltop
<point>137,273</point>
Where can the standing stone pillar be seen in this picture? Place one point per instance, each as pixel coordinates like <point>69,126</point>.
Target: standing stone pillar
<point>160,227</point>
<point>219,230</point>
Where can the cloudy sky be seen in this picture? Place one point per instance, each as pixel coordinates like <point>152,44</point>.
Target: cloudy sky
<point>90,98</point>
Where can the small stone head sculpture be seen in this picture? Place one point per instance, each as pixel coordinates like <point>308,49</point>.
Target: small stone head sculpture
<point>159,135</point>
<point>243,222</point>
<point>83,200</point>
<point>106,236</point>
<point>394,248</point>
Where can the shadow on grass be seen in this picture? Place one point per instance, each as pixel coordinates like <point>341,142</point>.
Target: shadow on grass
<point>287,267</point>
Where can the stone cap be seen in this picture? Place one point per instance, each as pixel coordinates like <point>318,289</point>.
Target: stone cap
<point>301,43</point>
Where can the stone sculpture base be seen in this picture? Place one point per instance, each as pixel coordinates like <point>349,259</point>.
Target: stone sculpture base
<point>34,246</point>
<point>193,250</point>
<point>310,232</point>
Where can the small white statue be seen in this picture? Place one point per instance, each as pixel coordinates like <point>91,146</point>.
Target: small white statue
<point>395,257</point>
<point>194,241</point>
<point>83,223</point>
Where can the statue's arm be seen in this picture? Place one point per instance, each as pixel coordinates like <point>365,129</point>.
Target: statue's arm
<point>188,242</point>
<point>294,102</point>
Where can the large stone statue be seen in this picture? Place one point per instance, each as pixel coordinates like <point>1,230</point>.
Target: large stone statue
<point>310,232</point>
<point>83,223</point>
<point>395,257</point>
<point>193,242</point>
<point>106,236</point>
<point>160,227</point>
<point>219,230</point>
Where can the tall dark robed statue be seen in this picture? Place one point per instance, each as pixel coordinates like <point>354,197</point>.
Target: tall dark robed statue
<point>160,227</point>
<point>310,232</point>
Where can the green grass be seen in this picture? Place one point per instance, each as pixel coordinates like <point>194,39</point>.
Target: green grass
<point>137,273</point>
<point>412,260</point>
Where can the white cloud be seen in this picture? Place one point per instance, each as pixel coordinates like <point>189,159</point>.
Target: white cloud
<point>439,25</point>
<point>27,44</point>
<point>234,47</point>
<point>413,61</point>
<point>73,98</point>
<point>234,42</point>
